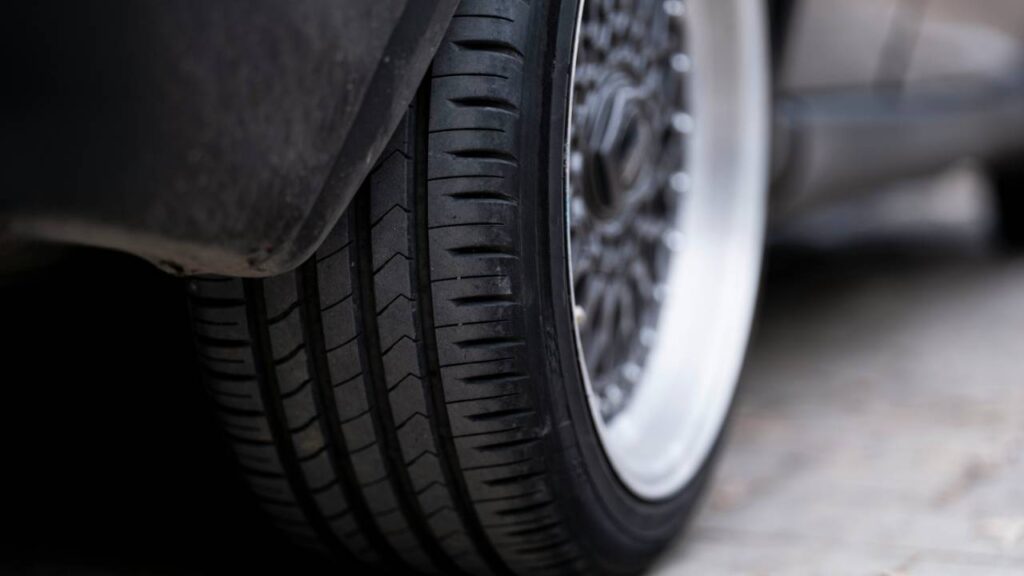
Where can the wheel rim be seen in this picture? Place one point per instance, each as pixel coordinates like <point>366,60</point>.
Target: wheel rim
<point>665,216</point>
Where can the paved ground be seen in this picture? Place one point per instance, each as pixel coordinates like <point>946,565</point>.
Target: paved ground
<point>880,430</point>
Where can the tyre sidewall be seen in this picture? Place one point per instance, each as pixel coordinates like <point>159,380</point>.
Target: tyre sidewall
<point>621,530</point>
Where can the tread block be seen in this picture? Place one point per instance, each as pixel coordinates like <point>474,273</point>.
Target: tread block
<point>394,324</point>
<point>492,415</point>
<point>252,427</point>
<point>496,449</point>
<point>434,498</point>
<point>309,442</point>
<point>280,293</point>
<point>318,472</point>
<point>234,359</point>
<point>331,501</point>
<point>460,153</point>
<point>236,401</point>
<point>337,239</point>
<point>418,438</point>
<point>390,237</point>
<point>339,323</point>
<point>300,417</point>
<point>359,434</point>
<point>479,343</point>
<point>472,250</point>
<point>218,324</point>
<point>483,380</point>
<point>388,184</point>
<point>503,9</point>
<point>335,277</point>
<point>350,399</point>
<point>400,361</point>
<point>343,362</point>
<point>473,102</point>
<point>506,481</point>
<point>406,399</point>
<point>461,201</point>
<point>475,300</point>
<point>262,458</point>
<point>345,525</point>
<point>293,375</point>
<point>286,335</point>
<point>425,470</point>
<point>368,465</point>
<point>392,283</point>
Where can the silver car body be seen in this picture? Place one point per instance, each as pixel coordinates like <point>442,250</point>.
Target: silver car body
<point>872,90</point>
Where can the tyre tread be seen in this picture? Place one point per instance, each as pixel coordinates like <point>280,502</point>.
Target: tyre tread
<point>378,398</point>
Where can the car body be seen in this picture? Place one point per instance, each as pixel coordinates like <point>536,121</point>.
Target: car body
<point>228,138</point>
<point>873,90</point>
<point>217,137</point>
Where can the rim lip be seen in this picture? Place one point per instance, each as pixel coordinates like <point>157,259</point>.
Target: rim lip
<point>657,447</point>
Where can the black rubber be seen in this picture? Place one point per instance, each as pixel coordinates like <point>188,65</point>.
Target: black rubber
<point>410,397</point>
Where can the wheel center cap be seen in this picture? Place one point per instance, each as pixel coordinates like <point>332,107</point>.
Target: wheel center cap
<point>618,153</point>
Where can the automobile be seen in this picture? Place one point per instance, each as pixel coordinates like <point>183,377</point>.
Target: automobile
<point>472,281</point>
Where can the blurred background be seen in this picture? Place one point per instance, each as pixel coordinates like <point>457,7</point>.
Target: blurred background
<point>880,427</point>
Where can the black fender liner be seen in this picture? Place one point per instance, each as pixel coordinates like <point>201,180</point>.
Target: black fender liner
<point>209,137</point>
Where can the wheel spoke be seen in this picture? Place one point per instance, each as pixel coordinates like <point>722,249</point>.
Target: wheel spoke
<point>629,123</point>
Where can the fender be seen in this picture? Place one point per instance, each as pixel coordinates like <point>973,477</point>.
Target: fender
<point>208,137</point>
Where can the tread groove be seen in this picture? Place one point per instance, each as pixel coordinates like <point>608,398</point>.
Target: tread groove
<point>323,397</point>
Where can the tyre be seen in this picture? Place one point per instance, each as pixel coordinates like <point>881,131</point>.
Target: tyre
<point>1008,189</point>
<point>516,351</point>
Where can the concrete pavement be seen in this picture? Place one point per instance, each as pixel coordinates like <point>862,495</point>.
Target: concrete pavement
<point>880,428</point>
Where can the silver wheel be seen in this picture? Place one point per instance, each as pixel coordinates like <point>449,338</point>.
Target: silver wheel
<point>666,207</point>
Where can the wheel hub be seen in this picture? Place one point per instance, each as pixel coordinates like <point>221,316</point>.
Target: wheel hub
<point>626,154</point>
